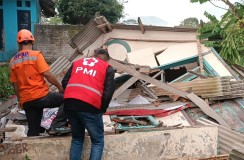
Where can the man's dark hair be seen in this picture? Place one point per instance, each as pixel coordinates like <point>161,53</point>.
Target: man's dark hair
<point>102,51</point>
<point>25,42</point>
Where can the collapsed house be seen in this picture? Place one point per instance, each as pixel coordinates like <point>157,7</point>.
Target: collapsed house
<point>175,98</point>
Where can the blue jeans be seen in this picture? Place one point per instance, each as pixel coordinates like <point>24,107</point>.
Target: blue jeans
<point>94,125</point>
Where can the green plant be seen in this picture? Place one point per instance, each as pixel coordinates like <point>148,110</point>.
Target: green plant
<point>26,158</point>
<point>6,88</point>
<point>225,35</point>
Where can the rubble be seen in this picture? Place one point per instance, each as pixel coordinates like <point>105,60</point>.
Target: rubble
<point>166,83</point>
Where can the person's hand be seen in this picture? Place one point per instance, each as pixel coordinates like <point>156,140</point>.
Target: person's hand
<point>61,90</point>
<point>20,105</point>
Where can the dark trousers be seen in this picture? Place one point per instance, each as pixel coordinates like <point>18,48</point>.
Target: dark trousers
<point>34,111</point>
<point>94,124</point>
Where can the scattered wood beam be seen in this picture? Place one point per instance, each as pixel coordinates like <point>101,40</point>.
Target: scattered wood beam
<point>194,98</point>
<point>198,74</point>
<point>8,129</point>
<point>126,85</point>
<point>206,109</point>
<point>149,92</point>
<point>200,59</point>
<point>155,76</point>
<point>146,78</point>
<point>238,71</point>
<point>141,25</point>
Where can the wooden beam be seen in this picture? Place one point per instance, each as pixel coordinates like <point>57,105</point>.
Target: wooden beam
<point>206,109</point>
<point>198,101</point>
<point>198,74</point>
<point>238,71</point>
<point>155,76</point>
<point>146,78</point>
<point>200,57</point>
<point>152,40</point>
<point>126,85</point>
<point>141,25</point>
<point>8,129</point>
<point>108,24</point>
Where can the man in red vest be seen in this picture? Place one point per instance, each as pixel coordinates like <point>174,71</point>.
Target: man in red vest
<point>89,86</point>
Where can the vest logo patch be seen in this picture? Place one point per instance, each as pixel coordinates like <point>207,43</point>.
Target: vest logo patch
<point>21,55</point>
<point>90,62</point>
<point>86,71</point>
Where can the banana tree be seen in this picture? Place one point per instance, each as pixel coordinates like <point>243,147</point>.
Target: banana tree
<point>225,35</point>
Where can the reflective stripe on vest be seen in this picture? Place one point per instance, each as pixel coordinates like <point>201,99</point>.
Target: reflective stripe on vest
<point>16,61</point>
<point>87,87</point>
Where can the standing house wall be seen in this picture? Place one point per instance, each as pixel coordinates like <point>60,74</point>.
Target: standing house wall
<point>53,40</point>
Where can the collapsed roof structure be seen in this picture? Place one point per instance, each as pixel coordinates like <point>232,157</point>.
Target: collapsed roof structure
<point>167,82</point>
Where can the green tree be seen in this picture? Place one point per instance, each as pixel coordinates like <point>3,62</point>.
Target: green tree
<point>190,22</point>
<point>81,11</point>
<point>227,34</point>
<point>6,88</point>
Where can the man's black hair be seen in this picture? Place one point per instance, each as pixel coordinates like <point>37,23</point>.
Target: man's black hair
<point>102,51</point>
<point>26,42</point>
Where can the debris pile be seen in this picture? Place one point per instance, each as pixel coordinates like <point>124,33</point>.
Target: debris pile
<point>167,82</point>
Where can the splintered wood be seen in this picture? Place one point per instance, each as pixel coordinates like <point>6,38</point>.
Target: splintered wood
<point>194,98</point>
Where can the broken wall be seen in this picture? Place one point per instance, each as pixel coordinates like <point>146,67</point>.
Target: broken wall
<point>53,40</point>
<point>168,144</point>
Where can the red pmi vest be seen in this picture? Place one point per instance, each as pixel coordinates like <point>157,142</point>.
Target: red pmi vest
<point>87,81</point>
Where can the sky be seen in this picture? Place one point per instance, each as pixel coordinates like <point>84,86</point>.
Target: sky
<point>172,11</point>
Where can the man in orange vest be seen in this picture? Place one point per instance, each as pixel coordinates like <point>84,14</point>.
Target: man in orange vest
<point>28,70</point>
<point>89,86</point>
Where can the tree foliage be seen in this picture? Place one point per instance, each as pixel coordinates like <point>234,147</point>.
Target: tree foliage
<point>81,11</point>
<point>190,22</point>
<point>6,88</point>
<point>227,34</point>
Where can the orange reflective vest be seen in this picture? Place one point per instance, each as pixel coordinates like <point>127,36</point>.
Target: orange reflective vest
<point>27,67</point>
<point>87,81</point>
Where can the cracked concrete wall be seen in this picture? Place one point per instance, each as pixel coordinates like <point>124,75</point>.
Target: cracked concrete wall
<point>199,142</point>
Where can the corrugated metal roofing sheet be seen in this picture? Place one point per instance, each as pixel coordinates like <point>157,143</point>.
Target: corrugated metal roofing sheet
<point>227,139</point>
<point>87,36</point>
<point>231,111</point>
<point>59,68</point>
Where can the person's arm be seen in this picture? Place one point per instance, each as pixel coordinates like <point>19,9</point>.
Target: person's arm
<point>16,89</point>
<point>67,77</point>
<point>109,88</point>
<point>53,80</point>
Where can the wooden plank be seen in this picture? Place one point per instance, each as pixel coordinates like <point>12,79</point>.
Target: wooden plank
<point>200,57</point>
<point>198,101</point>
<point>141,25</point>
<point>198,74</point>
<point>225,64</point>
<point>206,109</point>
<point>161,106</point>
<point>146,78</point>
<point>155,76</point>
<point>126,85</point>
<point>238,71</point>
<point>149,92</point>
<point>8,129</point>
